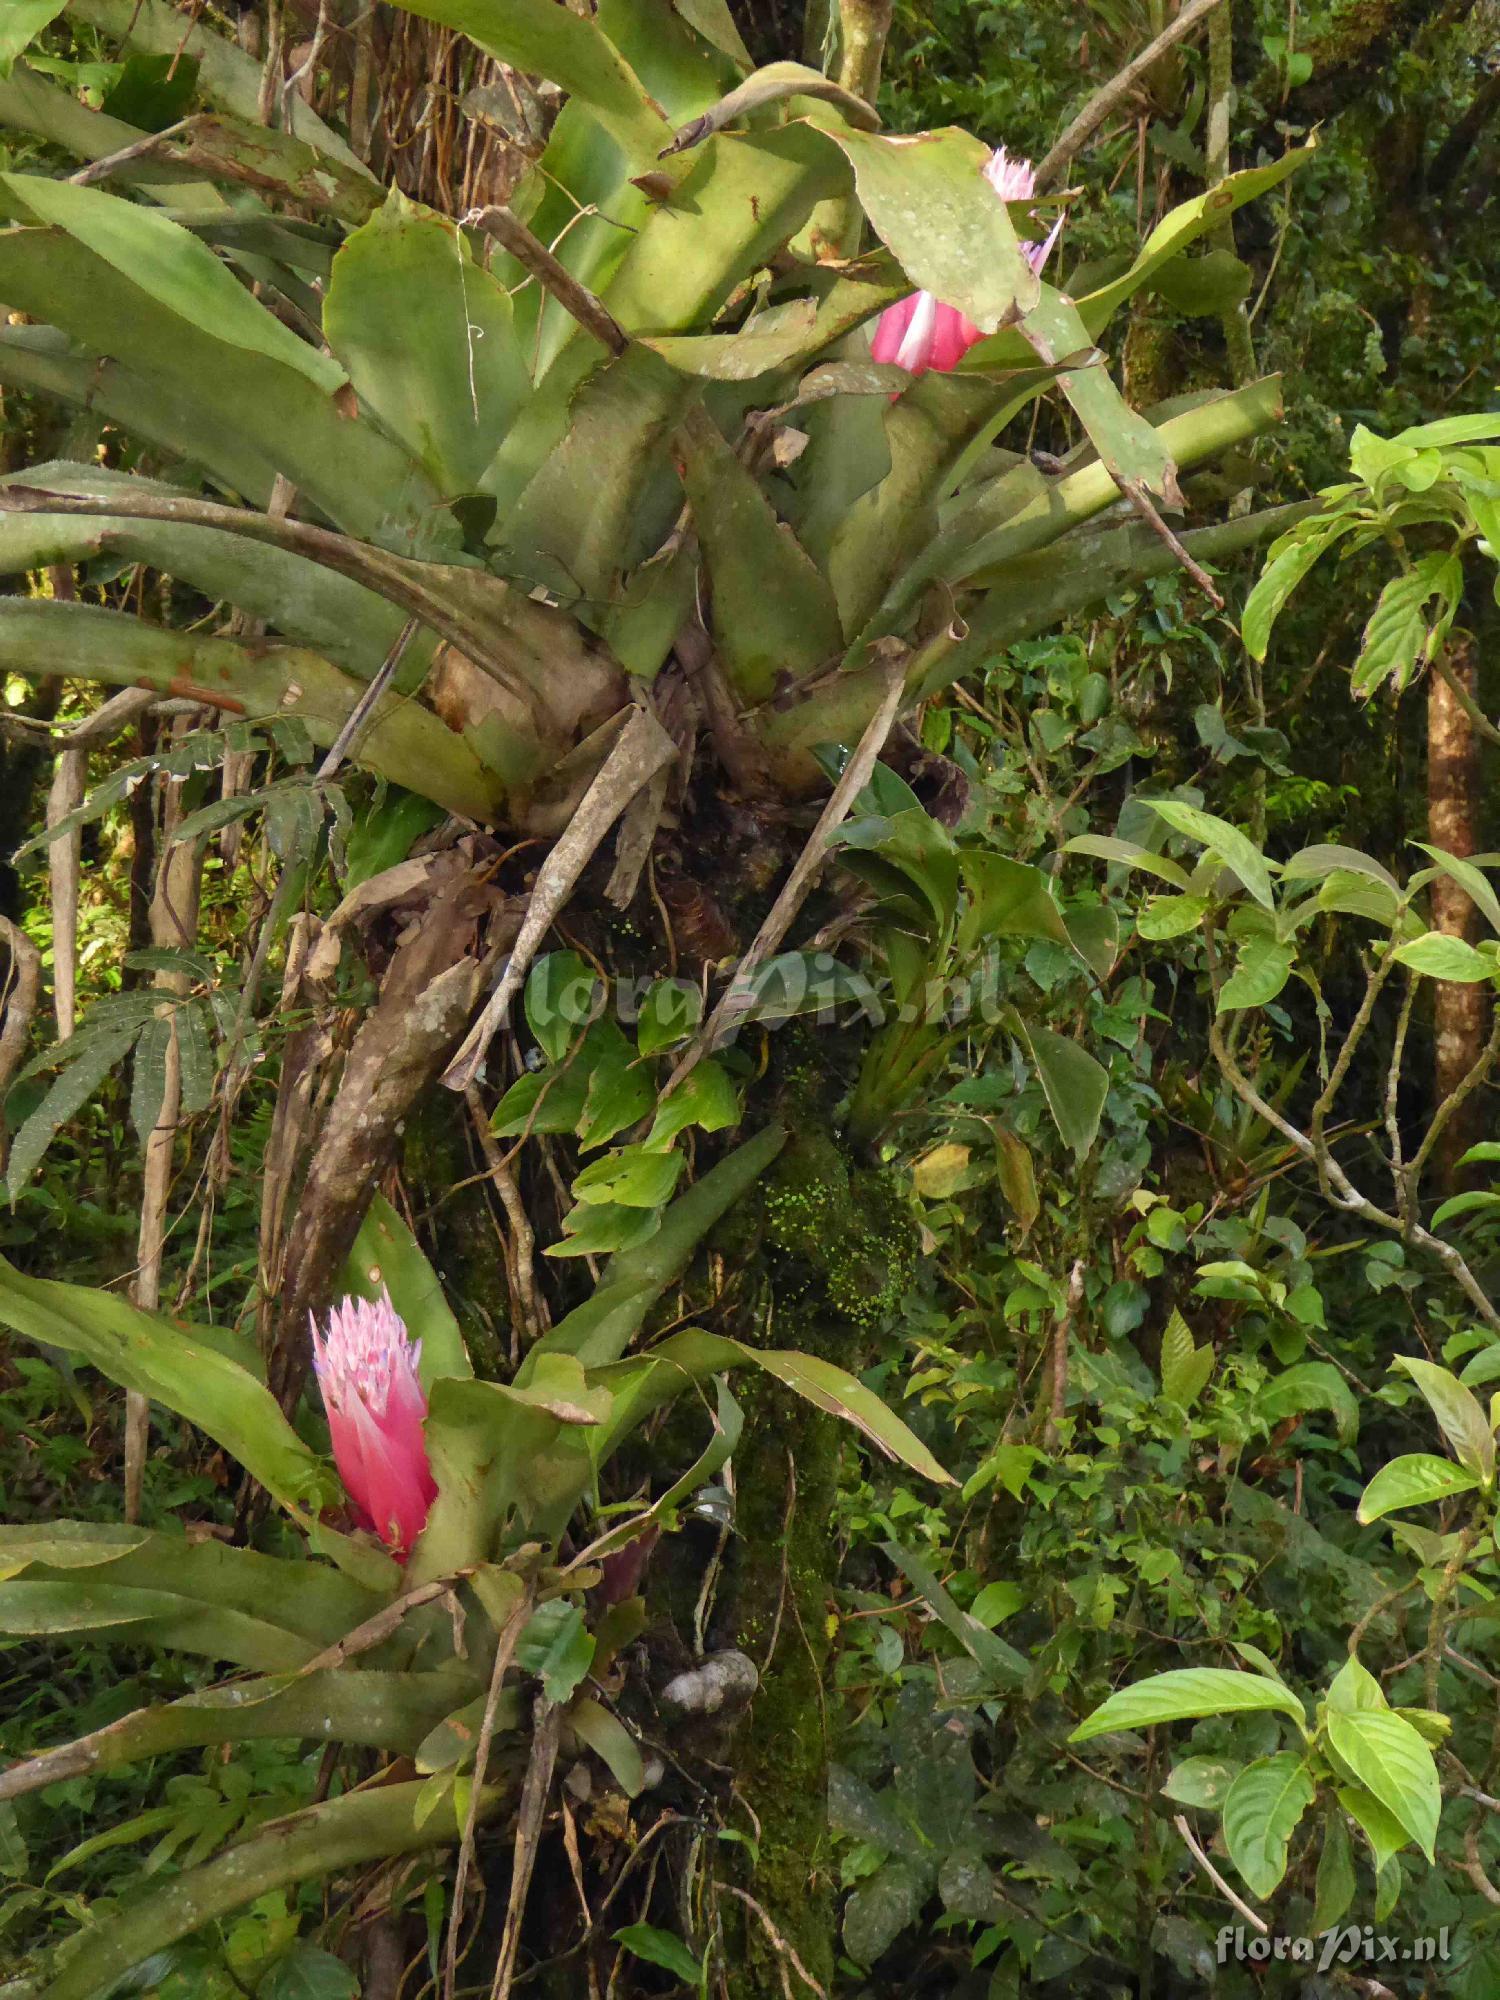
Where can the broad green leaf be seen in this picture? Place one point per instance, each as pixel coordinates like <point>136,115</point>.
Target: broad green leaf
<point>632,1175</point>
<point>1227,842</point>
<point>1006,899</point>
<point>1384,1831</point>
<point>1477,1200</point>
<point>663,1948</point>
<point>1262,968</point>
<point>1171,916</point>
<point>669,1014</point>
<point>146,1352</point>
<point>426,335</point>
<point>1309,1385</point>
<point>1458,1412</point>
<point>1074,1084</point>
<point>610,1740</point>
<point>23,20</point>
<point>620,1094</point>
<point>1335,1886</point>
<point>387,1255</point>
<point>773,612</point>
<point>928,201</point>
<point>561,991</point>
<point>308,1973</point>
<point>557,1647</point>
<point>1290,560</point>
<point>706,1097</point>
<point>1354,1687</point>
<point>594,1229</point>
<point>1391,1761</point>
<point>1440,956</point>
<point>1262,1809</point>
<point>171,266</point>
<point>245,413</point>
<point>997,1602</point>
<point>1185,1369</point>
<point>1127,444</point>
<point>1183,1692</point>
<point>1473,881</point>
<point>881,1908</point>
<point>1400,634</point>
<point>1327,858</point>
<point>1201,1781</point>
<point>769,341</point>
<point>67,1545</point>
<point>1128,854</point>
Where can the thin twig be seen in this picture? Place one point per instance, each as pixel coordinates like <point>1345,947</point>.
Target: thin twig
<point>510,1632</point>
<point>546,1730</point>
<point>1060,1333</point>
<point>740,993</point>
<point>1216,1878</point>
<point>1143,504</point>
<point>353,727</point>
<point>783,1945</point>
<point>138,149</point>
<point>1119,87</point>
<point>512,234</point>
<point>641,749</point>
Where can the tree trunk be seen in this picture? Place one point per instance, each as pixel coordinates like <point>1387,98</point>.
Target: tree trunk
<point>1458,1011</point>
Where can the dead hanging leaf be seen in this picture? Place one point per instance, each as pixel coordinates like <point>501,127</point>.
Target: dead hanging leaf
<point>942,1171</point>
<point>1017,1178</point>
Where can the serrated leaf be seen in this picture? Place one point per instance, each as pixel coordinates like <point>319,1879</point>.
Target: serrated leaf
<point>1399,634</point>
<point>1183,1692</point>
<point>148,1083</point>
<point>631,1176</point>
<point>1262,1810</point>
<point>557,1647</point>
<point>1185,1369</point>
<point>88,1064</point>
<point>1289,563</point>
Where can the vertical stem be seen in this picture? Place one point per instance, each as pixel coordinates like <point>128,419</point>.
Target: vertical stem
<point>1236,320</point>
<point>174,925</point>
<point>1458,1012</point>
<point>863,27</point>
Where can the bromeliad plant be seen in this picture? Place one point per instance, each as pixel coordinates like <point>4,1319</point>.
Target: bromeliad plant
<point>419,1654</point>
<point>552,513</point>
<point>535,501</point>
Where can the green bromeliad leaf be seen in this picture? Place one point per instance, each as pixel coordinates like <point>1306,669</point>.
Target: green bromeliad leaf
<point>148,1353</point>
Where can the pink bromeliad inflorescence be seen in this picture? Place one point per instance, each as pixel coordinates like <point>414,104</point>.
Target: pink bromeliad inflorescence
<point>920,332</point>
<point>366,1366</point>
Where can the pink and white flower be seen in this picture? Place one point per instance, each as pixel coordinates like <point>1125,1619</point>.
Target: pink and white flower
<point>919,332</point>
<point>366,1366</point>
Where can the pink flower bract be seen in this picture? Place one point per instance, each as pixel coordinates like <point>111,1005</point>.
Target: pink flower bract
<point>366,1367</point>
<point>920,332</point>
